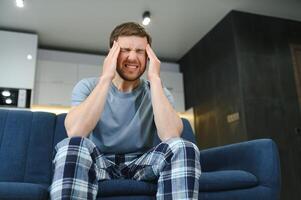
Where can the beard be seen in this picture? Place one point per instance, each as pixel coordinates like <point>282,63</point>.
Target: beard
<point>129,77</point>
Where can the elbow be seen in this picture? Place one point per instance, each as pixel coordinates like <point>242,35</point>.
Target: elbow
<point>74,130</point>
<point>180,127</point>
<point>71,132</point>
<point>171,132</point>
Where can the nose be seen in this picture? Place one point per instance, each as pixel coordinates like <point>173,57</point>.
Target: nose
<point>132,55</point>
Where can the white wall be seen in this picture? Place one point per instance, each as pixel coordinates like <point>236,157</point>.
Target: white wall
<point>16,71</point>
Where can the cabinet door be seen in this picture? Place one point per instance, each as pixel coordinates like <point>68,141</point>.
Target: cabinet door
<point>56,72</point>
<point>86,71</point>
<point>53,94</point>
<point>172,81</point>
<point>179,101</point>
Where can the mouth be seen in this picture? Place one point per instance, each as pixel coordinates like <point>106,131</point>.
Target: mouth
<point>131,66</point>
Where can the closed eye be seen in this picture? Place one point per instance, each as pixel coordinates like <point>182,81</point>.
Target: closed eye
<point>125,50</point>
<point>140,51</point>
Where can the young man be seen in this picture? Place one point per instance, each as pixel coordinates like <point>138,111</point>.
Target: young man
<point>113,123</point>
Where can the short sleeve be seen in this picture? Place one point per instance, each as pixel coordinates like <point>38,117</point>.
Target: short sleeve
<point>82,90</point>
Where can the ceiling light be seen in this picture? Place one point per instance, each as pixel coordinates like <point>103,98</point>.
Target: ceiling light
<point>20,3</point>
<point>6,93</point>
<point>29,57</point>
<point>8,101</point>
<point>146,18</point>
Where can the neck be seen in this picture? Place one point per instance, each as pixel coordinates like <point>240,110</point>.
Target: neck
<point>123,85</point>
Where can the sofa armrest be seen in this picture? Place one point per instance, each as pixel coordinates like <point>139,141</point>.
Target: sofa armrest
<point>259,157</point>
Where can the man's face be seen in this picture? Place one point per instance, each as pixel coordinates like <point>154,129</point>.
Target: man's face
<point>131,61</point>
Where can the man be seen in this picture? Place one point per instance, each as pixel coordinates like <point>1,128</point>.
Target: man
<point>113,123</point>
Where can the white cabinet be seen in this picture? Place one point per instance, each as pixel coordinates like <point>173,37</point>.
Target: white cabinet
<point>56,72</point>
<point>55,81</point>
<point>85,71</point>
<point>17,59</point>
<point>53,94</point>
<point>179,101</point>
<point>173,81</point>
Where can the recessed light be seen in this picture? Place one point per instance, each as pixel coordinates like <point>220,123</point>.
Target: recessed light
<point>20,3</point>
<point>8,101</point>
<point>6,93</point>
<point>29,57</point>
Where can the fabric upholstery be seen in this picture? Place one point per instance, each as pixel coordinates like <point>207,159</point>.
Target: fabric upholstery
<point>23,191</point>
<point>258,157</point>
<point>246,170</point>
<point>227,180</point>
<point>26,141</point>
<point>126,188</point>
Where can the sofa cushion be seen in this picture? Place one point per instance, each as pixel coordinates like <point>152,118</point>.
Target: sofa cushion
<point>226,180</point>
<point>26,146</point>
<point>125,187</point>
<point>23,191</point>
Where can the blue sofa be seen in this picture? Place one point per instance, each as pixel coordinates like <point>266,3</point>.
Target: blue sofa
<point>247,170</point>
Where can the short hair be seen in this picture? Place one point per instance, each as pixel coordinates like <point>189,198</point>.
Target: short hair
<point>129,29</point>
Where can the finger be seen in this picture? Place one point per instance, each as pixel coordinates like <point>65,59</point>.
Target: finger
<point>113,49</point>
<point>116,51</point>
<point>149,51</point>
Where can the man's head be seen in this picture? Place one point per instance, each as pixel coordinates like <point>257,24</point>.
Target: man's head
<point>129,29</point>
<point>132,39</point>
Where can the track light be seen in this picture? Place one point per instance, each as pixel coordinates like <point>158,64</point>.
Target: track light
<point>146,18</point>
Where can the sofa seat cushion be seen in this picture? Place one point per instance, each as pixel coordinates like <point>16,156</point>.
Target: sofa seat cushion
<point>226,180</point>
<point>125,187</point>
<point>23,191</point>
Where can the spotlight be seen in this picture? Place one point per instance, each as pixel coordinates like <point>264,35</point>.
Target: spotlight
<point>8,101</point>
<point>20,3</point>
<point>146,18</point>
<point>29,57</point>
<point>6,93</point>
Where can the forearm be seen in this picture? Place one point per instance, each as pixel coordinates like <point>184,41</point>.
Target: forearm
<point>167,121</point>
<point>82,119</point>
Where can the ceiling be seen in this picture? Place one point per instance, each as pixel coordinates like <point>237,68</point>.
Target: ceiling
<point>85,26</point>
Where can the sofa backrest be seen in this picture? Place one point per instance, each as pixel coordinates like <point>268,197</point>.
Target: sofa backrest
<point>26,143</point>
<point>60,131</point>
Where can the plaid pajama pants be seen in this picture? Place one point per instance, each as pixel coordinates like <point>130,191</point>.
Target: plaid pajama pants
<point>79,165</point>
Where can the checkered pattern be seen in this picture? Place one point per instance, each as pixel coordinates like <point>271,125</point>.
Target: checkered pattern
<point>78,166</point>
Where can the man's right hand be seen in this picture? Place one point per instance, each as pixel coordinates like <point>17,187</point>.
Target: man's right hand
<point>110,62</point>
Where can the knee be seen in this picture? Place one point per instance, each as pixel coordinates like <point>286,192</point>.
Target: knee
<point>75,142</point>
<point>180,145</point>
<point>74,145</point>
<point>178,142</point>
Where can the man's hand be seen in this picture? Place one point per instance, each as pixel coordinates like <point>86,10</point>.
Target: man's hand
<point>82,119</point>
<point>110,62</point>
<point>154,64</point>
<point>167,121</point>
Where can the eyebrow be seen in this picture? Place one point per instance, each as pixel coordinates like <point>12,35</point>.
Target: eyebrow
<point>126,48</point>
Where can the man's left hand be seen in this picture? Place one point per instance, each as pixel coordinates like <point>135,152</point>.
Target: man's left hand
<point>154,64</point>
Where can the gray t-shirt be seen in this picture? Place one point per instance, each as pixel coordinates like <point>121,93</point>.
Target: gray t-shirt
<point>127,123</point>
